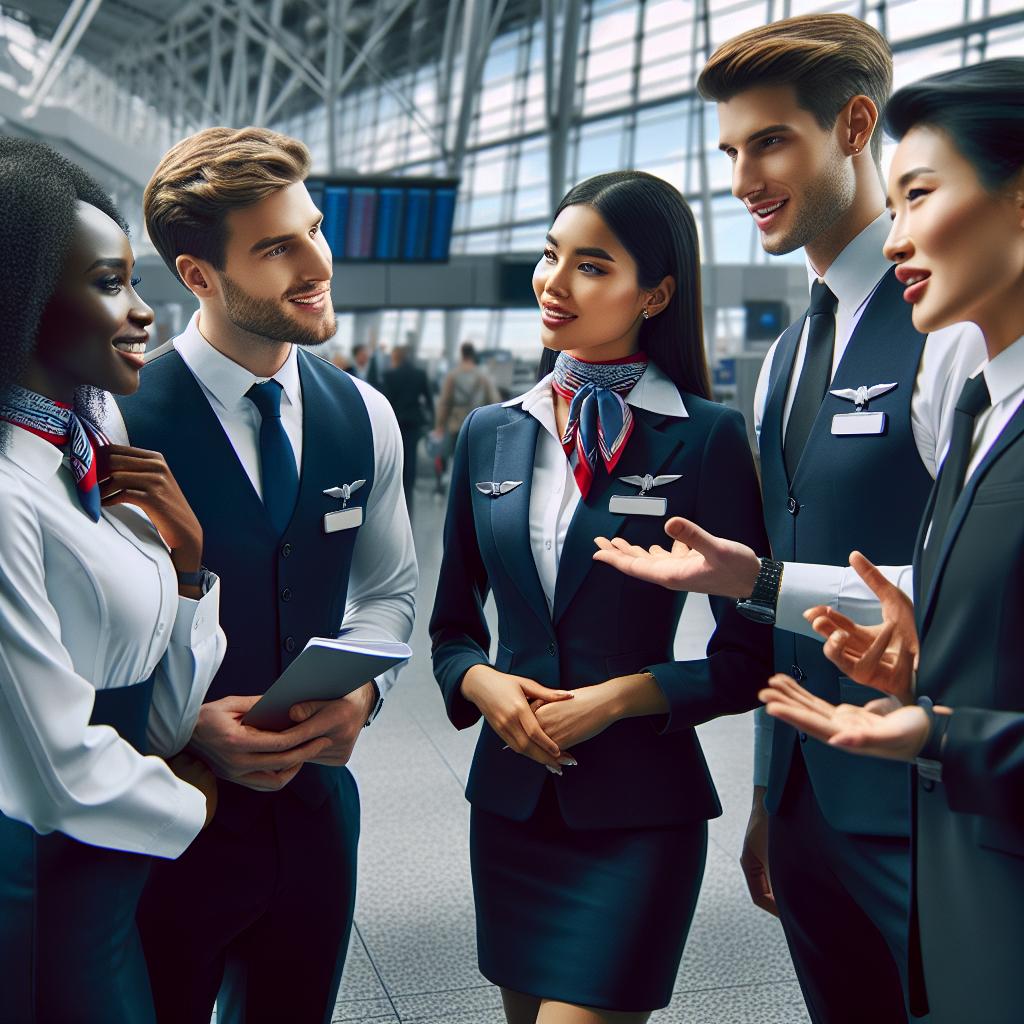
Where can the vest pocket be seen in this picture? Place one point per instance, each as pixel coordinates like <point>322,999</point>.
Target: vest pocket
<point>998,494</point>
<point>854,693</point>
<point>503,657</point>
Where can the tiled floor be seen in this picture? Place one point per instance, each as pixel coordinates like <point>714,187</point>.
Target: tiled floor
<point>413,955</point>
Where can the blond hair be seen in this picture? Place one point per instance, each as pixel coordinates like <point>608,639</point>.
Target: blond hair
<point>204,177</point>
<point>827,59</point>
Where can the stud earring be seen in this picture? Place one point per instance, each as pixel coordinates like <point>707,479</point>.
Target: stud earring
<point>645,314</point>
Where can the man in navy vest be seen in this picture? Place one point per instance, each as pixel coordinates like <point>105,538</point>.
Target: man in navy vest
<point>853,408</point>
<point>294,469</point>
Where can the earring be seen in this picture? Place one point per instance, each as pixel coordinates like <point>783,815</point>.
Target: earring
<point>645,314</point>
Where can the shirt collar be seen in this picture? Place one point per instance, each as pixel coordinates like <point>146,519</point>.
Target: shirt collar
<point>225,379</point>
<point>653,392</point>
<point>856,271</point>
<point>1004,375</point>
<point>38,457</point>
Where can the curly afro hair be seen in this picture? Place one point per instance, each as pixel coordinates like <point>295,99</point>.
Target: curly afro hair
<point>38,192</point>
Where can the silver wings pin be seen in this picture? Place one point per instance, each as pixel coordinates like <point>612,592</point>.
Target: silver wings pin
<point>345,491</point>
<point>647,482</point>
<point>495,489</point>
<point>864,394</point>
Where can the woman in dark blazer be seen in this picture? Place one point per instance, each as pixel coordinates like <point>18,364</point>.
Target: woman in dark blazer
<point>590,795</point>
<point>956,187</point>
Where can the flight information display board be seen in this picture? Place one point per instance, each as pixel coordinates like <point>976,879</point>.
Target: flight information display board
<point>396,220</point>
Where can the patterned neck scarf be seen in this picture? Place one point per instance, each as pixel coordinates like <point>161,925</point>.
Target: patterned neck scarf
<point>599,419</point>
<point>57,423</point>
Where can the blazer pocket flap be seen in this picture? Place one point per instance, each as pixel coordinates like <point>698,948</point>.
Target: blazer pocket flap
<point>1004,836</point>
<point>854,693</point>
<point>997,494</point>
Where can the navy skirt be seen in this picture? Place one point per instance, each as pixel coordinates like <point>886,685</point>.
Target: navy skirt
<point>68,942</point>
<point>593,917</point>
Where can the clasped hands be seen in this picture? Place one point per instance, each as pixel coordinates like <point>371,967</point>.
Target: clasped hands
<point>884,657</point>
<point>325,733</point>
<point>538,722</point>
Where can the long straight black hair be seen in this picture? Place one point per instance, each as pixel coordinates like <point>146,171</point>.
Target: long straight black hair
<point>655,226</point>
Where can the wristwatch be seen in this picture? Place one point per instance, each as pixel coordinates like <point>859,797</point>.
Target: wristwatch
<point>929,758</point>
<point>760,606</point>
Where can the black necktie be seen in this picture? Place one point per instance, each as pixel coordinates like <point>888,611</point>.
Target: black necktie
<point>815,375</point>
<point>277,458</point>
<point>973,399</point>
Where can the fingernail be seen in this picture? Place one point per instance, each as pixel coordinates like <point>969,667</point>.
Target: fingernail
<point>553,769</point>
<point>571,761</point>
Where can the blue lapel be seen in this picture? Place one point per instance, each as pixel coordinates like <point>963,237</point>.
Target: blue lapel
<point>775,403</point>
<point>514,453</point>
<point>648,450</point>
<point>1010,433</point>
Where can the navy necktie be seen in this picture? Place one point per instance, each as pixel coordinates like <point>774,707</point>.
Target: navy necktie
<point>973,399</point>
<point>277,458</point>
<point>815,375</point>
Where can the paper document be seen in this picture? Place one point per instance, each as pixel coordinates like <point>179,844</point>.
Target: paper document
<point>326,669</point>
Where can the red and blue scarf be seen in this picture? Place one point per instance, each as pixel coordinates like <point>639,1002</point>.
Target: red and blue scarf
<point>599,419</point>
<point>57,423</point>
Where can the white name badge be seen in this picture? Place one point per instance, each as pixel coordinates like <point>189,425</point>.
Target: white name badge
<point>634,505</point>
<point>343,519</point>
<point>858,424</point>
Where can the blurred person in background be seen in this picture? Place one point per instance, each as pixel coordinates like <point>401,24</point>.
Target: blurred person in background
<point>408,390</point>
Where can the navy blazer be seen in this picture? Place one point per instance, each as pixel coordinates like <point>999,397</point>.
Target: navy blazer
<point>647,771</point>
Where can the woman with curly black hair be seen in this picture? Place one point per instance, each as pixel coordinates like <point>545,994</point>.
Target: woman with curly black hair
<point>108,626</point>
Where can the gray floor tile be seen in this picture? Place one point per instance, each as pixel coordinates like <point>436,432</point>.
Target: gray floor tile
<point>371,1011</point>
<point>754,1004</point>
<point>471,1005</point>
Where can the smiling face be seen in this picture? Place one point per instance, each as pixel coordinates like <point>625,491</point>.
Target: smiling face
<point>586,286</point>
<point>276,281</point>
<point>793,177</point>
<point>94,329</point>
<point>960,247</point>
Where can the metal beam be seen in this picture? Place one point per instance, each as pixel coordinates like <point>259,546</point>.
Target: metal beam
<point>60,60</point>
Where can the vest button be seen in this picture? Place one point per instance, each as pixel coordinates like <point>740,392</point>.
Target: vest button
<point>792,507</point>
<point>286,550</point>
<point>803,737</point>
<point>289,644</point>
<point>552,649</point>
<point>797,673</point>
<point>927,785</point>
<point>286,594</point>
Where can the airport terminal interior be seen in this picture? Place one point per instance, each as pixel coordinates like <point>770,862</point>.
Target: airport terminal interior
<point>443,135</point>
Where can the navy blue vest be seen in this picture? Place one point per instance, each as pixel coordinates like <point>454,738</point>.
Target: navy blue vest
<point>276,591</point>
<point>848,492</point>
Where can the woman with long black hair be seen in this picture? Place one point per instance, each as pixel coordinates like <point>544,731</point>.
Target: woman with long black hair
<point>590,795</point>
<point>108,623</point>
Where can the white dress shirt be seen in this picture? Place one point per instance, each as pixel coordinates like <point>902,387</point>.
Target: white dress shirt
<point>87,606</point>
<point>381,598</point>
<point>554,492</point>
<point>947,360</point>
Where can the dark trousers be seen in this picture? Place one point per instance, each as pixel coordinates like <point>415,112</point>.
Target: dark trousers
<point>411,434</point>
<point>845,903</point>
<point>258,909</point>
<point>68,943</point>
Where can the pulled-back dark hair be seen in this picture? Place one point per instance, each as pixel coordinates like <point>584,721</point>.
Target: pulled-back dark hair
<point>655,226</point>
<point>980,108</point>
<point>38,192</point>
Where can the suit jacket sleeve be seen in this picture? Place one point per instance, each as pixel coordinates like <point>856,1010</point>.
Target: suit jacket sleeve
<point>459,635</point>
<point>739,657</point>
<point>983,763</point>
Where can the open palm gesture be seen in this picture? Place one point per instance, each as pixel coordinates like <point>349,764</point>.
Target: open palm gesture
<point>883,656</point>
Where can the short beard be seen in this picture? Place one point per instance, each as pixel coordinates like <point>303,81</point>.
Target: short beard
<point>264,318</point>
<point>823,205</point>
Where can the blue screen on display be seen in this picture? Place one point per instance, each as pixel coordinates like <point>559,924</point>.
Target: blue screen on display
<point>404,220</point>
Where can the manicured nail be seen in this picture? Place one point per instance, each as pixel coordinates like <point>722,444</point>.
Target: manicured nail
<point>553,769</point>
<point>571,761</point>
